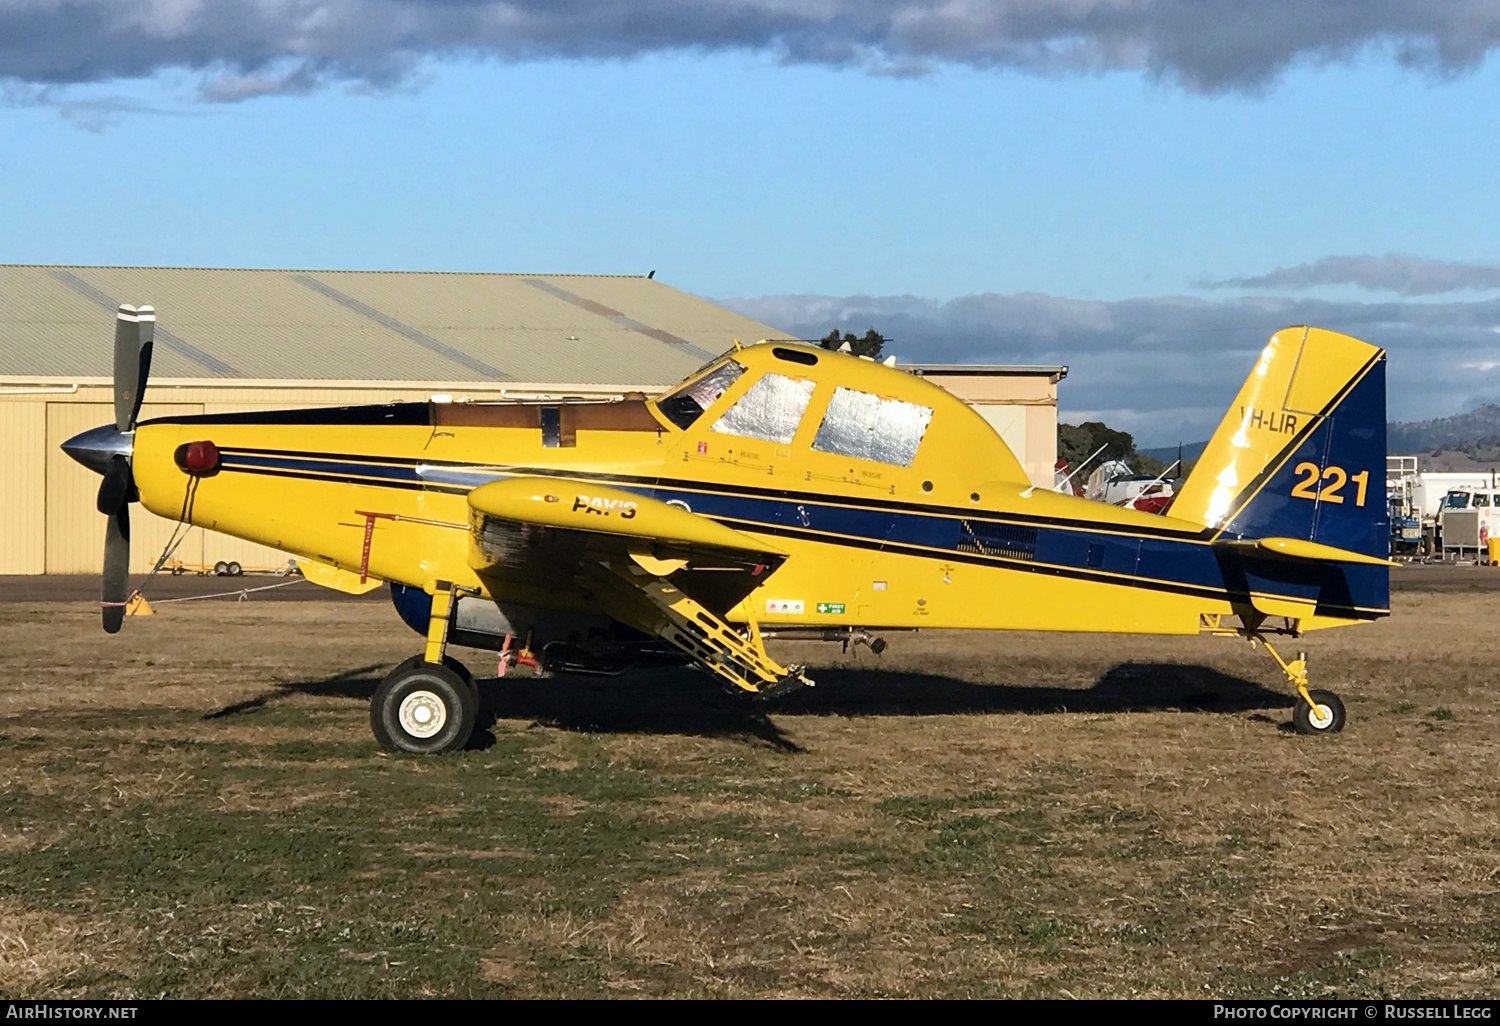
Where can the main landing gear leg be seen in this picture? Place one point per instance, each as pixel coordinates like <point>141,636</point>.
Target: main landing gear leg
<point>429,703</point>
<point>1317,712</point>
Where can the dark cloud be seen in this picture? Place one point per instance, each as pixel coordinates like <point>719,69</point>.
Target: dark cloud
<point>1166,367</point>
<point>1408,275</point>
<point>251,47</point>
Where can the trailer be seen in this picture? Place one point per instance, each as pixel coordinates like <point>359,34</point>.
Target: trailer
<point>228,568</point>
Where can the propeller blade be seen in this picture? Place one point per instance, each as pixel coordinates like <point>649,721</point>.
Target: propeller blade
<point>115,488</point>
<point>134,331</point>
<point>116,569</point>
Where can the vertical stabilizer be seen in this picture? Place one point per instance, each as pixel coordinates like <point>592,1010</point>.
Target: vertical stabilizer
<point>1301,453</point>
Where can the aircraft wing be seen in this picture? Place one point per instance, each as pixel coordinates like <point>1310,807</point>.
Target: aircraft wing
<point>529,530</point>
<point>658,568</point>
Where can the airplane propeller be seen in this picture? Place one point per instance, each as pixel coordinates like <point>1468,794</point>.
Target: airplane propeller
<point>134,331</point>
<point>106,450</point>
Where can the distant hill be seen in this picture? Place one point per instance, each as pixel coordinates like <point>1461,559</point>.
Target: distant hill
<point>1467,440</point>
<point>1476,433</point>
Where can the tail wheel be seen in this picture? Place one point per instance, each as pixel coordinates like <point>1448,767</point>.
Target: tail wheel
<point>1325,716</point>
<point>424,709</point>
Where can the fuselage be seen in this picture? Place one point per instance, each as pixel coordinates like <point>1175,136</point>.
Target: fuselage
<point>953,537</point>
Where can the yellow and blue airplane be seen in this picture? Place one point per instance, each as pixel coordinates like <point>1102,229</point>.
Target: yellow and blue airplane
<point>781,490</point>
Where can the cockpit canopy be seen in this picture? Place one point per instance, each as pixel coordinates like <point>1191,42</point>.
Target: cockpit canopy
<point>852,408</point>
<point>854,423</point>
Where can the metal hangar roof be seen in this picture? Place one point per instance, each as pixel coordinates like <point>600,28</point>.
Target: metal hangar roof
<point>365,325</point>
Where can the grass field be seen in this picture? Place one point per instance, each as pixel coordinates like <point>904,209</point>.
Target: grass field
<point>197,808</point>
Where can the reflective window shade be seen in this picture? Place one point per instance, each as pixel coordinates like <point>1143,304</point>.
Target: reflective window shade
<point>687,404</point>
<point>871,428</point>
<point>770,409</point>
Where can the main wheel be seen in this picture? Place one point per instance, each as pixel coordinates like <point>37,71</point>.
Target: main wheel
<point>221,569</point>
<point>1327,718</point>
<point>425,709</point>
<point>453,664</point>
<point>234,569</point>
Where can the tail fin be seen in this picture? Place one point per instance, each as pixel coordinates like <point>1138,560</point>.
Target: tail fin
<point>1301,453</point>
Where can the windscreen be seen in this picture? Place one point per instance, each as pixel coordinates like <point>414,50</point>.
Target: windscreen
<point>684,406</point>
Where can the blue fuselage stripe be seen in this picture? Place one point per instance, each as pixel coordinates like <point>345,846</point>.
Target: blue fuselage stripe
<point>1142,560</point>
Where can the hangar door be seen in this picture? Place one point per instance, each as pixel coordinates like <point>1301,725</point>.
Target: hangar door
<point>75,527</point>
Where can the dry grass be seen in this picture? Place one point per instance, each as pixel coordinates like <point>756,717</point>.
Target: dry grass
<point>196,808</point>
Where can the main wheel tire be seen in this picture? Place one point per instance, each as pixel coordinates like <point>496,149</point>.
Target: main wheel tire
<point>234,568</point>
<point>451,663</point>
<point>424,709</point>
<point>448,661</point>
<point>221,569</point>
<point>1328,719</point>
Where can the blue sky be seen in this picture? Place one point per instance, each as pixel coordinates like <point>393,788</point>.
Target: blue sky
<point>1014,209</point>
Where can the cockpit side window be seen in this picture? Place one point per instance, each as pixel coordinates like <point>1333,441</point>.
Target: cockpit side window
<point>1482,499</point>
<point>684,406</point>
<point>770,409</point>
<point>1456,500</point>
<point>871,428</point>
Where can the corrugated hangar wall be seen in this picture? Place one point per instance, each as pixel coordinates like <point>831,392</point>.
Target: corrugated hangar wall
<point>48,523</point>
<point>231,340</point>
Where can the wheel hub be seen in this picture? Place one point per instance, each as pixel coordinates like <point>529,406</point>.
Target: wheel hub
<point>1320,716</point>
<point>422,714</point>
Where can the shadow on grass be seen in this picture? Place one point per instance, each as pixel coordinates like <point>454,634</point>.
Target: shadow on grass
<point>684,701</point>
<point>348,684</point>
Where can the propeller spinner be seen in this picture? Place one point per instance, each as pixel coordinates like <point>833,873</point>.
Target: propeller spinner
<point>106,450</point>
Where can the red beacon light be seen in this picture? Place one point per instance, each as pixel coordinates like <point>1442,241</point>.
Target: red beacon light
<point>198,458</point>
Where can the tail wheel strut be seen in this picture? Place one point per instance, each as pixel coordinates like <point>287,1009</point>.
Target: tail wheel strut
<point>1317,712</point>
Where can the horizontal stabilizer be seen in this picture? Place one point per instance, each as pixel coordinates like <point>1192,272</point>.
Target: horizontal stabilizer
<point>1302,550</point>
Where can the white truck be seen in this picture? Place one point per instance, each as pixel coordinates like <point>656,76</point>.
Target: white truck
<point>1467,519</point>
<point>1420,507</point>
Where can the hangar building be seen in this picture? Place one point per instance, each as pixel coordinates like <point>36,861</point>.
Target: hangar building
<point>231,340</point>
